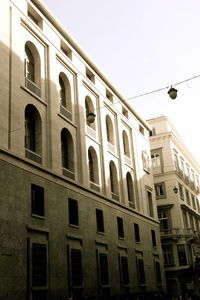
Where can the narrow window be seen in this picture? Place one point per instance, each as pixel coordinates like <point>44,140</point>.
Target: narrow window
<point>90,75</point>
<point>141,272</point>
<point>120,227</point>
<point>181,191</point>
<point>76,267</point>
<point>160,190</point>
<point>73,212</point>
<point>187,194</point>
<point>163,218</point>
<point>168,255</point>
<point>150,204</point>
<point>37,200</point>
<point>130,190</point>
<point>93,165</point>
<point>126,143</point>
<point>137,233</point>
<point>39,265</point>
<point>158,273</point>
<point>124,270</point>
<point>99,220</point>
<point>67,150</point>
<point>29,64</point>
<point>103,268</point>
<point>113,178</point>
<point>153,238</point>
<point>109,130</point>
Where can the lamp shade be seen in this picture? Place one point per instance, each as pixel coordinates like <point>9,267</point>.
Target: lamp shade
<point>91,117</point>
<point>172,93</point>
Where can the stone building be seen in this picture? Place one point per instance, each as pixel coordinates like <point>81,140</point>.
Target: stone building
<point>176,178</point>
<point>78,215</point>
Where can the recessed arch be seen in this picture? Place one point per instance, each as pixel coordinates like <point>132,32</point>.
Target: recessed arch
<point>67,150</point>
<point>110,130</point>
<point>126,143</point>
<point>89,107</point>
<point>65,91</point>
<point>93,165</point>
<point>114,184</point>
<point>32,64</point>
<point>130,190</point>
<point>33,129</point>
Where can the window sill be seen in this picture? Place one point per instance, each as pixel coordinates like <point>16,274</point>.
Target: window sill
<point>38,216</point>
<point>74,226</point>
<point>100,232</point>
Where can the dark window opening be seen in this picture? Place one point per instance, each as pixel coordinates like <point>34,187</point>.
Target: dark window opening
<point>37,200</point>
<point>73,212</point>
<point>120,227</point>
<point>99,220</point>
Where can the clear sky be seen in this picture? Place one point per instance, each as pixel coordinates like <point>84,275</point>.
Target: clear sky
<point>141,46</point>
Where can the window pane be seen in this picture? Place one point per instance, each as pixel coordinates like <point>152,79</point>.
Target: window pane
<point>39,265</point>
<point>76,266</point>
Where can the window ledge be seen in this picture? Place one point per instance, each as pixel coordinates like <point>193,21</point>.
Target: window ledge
<point>74,226</point>
<point>38,216</point>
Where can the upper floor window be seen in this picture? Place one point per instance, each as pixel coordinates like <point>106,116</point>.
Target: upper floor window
<point>126,143</point>
<point>141,129</point>
<point>150,203</point>
<point>93,165</point>
<point>109,95</point>
<point>99,220</point>
<point>73,212</point>
<point>182,255</point>
<point>137,233</point>
<point>32,68</point>
<point>89,108</point>
<point>153,238</point>
<point>33,129</point>
<point>34,16</point>
<point>37,200</point>
<point>156,158</point>
<point>168,254</point>
<point>67,151</point>
<point>110,130</point>
<point>120,227</point>
<point>113,179</point>
<point>163,218</point>
<point>65,92</point>
<point>145,161</point>
<point>90,75</point>
<point>160,190</point>
<point>65,49</point>
<point>130,190</point>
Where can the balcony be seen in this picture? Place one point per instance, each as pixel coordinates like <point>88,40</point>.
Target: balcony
<point>32,87</point>
<point>176,233</point>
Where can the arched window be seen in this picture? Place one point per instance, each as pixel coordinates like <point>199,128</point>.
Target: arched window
<point>126,143</point>
<point>130,190</point>
<point>33,129</point>
<point>89,107</point>
<point>65,92</point>
<point>32,68</point>
<point>29,64</point>
<point>93,165</point>
<point>113,178</point>
<point>109,130</point>
<point>67,150</point>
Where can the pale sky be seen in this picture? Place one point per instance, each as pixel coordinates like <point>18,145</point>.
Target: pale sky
<point>141,46</point>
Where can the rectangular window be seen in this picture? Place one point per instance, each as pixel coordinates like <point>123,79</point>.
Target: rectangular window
<point>160,190</point>
<point>99,220</point>
<point>185,219</point>
<point>182,255</point>
<point>73,212</point>
<point>39,265</point>
<point>137,233</point>
<point>76,267</point>
<point>153,238</point>
<point>103,268</point>
<point>181,191</point>
<point>37,200</point>
<point>124,270</point>
<point>193,202</point>
<point>163,218</point>
<point>65,49</point>
<point>120,227</point>
<point>90,75</point>
<point>157,162</point>
<point>176,162</point>
<point>150,204</point>
<point>158,273</point>
<point>168,255</point>
<point>109,95</point>
<point>187,194</point>
<point>140,271</point>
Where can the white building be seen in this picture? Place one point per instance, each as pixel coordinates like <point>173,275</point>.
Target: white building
<point>78,215</point>
<point>176,178</point>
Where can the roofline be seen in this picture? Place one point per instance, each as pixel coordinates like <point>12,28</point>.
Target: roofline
<point>41,6</point>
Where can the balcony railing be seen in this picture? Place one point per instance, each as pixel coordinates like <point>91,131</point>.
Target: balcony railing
<point>179,232</point>
<point>32,87</point>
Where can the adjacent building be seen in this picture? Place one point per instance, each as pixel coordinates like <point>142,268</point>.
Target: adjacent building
<point>176,178</point>
<point>78,215</point>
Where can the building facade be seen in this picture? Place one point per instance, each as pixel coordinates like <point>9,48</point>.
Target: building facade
<point>78,215</point>
<point>176,178</point>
